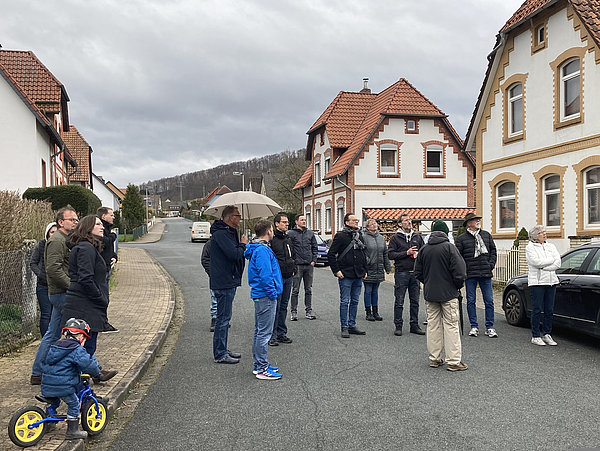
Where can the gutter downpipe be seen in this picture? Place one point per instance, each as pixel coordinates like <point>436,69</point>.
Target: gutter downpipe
<point>351,193</point>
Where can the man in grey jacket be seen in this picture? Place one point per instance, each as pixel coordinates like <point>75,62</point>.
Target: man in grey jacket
<point>305,247</point>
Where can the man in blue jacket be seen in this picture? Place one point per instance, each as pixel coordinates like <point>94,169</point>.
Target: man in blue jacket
<point>226,268</point>
<point>264,277</point>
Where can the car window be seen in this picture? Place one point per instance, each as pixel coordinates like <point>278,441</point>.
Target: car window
<point>319,239</point>
<point>571,263</point>
<point>594,266</point>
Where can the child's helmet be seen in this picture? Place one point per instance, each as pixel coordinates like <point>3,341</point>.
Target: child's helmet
<point>77,326</point>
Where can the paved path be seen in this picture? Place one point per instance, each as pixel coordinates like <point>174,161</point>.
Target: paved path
<point>142,297</point>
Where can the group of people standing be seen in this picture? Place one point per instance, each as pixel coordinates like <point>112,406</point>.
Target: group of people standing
<point>280,260</point>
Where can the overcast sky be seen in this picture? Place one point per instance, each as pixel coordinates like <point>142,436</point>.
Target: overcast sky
<point>160,88</point>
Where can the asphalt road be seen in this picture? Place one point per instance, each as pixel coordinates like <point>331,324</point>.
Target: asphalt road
<point>367,392</point>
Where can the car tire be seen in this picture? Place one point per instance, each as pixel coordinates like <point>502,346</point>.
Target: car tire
<point>514,308</point>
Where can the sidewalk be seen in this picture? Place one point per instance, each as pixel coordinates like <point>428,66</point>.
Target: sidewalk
<point>141,306</point>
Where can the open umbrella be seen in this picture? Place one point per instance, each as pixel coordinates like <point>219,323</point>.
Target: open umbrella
<point>250,204</point>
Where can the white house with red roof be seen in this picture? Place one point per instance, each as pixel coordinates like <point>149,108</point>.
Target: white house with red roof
<point>535,130</point>
<point>33,116</point>
<point>381,155</point>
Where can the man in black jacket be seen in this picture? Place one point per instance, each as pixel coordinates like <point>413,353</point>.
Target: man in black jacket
<point>478,249</point>
<point>348,261</point>
<point>403,249</point>
<point>283,248</point>
<point>205,261</point>
<point>305,246</point>
<point>442,270</point>
<point>107,216</point>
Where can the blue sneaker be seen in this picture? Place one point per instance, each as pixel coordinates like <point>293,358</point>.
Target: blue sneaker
<point>272,368</point>
<point>268,374</point>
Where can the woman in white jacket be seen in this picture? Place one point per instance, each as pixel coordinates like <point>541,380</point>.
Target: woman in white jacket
<point>543,260</point>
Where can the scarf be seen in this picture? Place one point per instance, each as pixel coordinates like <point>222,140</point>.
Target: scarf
<point>479,244</point>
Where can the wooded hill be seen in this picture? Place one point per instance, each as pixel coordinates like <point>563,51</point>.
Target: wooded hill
<point>285,169</point>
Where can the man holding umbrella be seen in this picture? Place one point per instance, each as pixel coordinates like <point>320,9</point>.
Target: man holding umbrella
<point>226,268</point>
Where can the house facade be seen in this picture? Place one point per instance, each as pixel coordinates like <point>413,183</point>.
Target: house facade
<point>82,153</point>
<point>381,155</point>
<point>33,116</point>
<point>535,130</point>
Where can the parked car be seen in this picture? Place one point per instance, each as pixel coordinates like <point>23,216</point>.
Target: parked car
<point>577,301</point>
<point>200,231</point>
<point>322,249</point>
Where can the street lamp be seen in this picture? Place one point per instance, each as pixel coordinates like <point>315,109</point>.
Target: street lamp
<point>242,174</point>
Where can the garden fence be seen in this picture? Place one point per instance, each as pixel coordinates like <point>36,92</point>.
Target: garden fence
<point>507,265</point>
<point>18,302</point>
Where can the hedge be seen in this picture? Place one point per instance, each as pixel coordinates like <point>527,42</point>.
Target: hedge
<point>81,199</point>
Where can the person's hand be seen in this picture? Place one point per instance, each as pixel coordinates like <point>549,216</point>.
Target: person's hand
<point>312,263</point>
<point>365,276</point>
<point>339,275</point>
<point>412,251</point>
<point>113,262</point>
<point>244,239</point>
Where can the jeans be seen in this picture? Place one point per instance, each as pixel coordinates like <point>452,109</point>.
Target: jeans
<point>52,334</point>
<point>404,280</point>
<point>485,285</point>
<point>303,273</point>
<point>542,296</point>
<point>371,294</point>
<point>349,297</point>
<point>213,304</point>
<point>72,403</point>
<point>224,309</point>
<point>264,316</point>
<point>279,327</point>
<point>41,292</point>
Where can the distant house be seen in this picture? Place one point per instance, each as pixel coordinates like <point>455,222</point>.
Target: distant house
<point>33,116</point>
<point>535,130</point>
<point>82,153</point>
<point>120,193</point>
<point>106,195</point>
<point>216,193</point>
<point>378,155</point>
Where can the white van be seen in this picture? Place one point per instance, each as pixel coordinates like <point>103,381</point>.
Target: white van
<point>200,231</point>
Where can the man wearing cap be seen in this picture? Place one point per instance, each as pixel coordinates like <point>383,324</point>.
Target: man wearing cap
<point>403,249</point>
<point>478,249</point>
<point>442,270</point>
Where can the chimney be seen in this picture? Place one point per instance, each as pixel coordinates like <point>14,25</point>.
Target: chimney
<point>365,89</point>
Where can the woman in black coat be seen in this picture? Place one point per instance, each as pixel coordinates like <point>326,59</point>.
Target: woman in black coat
<point>87,295</point>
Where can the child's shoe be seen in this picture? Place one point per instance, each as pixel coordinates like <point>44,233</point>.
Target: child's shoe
<point>268,374</point>
<point>73,432</point>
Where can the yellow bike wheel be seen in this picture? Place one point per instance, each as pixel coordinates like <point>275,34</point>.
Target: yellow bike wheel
<point>18,427</point>
<point>94,420</point>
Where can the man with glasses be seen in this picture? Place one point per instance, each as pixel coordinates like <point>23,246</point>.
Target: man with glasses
<point>56,257</point>
<point>348,261</point>
<point>403,248</point>
<point>226,268</point>
<point>305,246</point>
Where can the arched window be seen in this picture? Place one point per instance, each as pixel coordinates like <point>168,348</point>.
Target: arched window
<point>434,160</point>
<point>308,216</point>
<point>551,200</point>
<point>515,109</point>
<point>570,89</point>
<point>340,215</point>
<point>506,205</point>
<point>388,159</point>
<point>592,196</point>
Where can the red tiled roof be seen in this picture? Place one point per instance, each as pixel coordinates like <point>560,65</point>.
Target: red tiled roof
<point>306,178</point>
<point>401,98</point>
<point>224,190</point>
<point>343,117</point>
<point>40,85</point>
<point>525,10</point>
<point>589,12</point>
<point>417,213</point>
<point>80,150</point>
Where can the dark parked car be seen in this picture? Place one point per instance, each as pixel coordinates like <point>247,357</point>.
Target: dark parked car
<point>322,250</point>
<point>577,301</point>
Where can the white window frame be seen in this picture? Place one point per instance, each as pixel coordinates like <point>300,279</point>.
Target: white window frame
<point>318,172</point>
<point>500,199</point>
<point>515,101</point>
<point>546,193</point>
<point>327,165</point>
<point>434,148</point>
<point>318,219</point>
<point>327,218</point>
<point>540,33</point>
<point>308,217</point>
<point>340,215</point>
<point>411,125</point>
<point>564,79</point>
<point>587,187</point>
<point>389,170</point>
